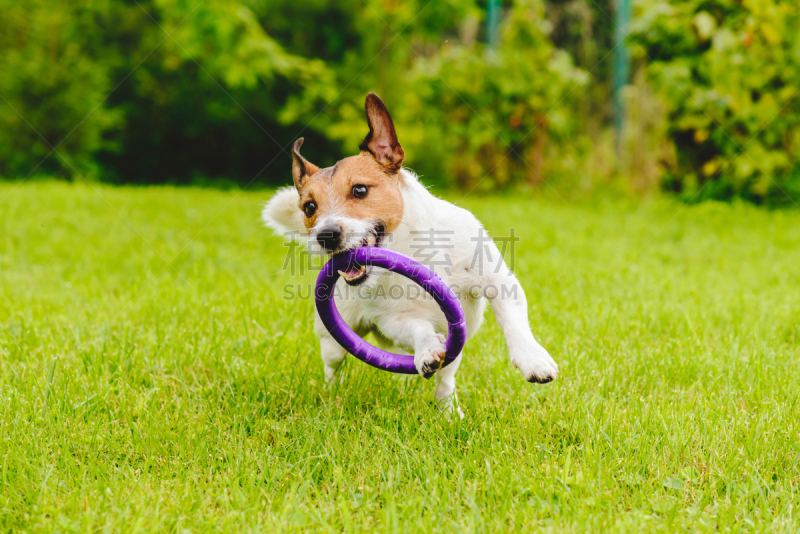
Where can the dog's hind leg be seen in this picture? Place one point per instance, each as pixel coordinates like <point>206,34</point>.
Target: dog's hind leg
<point>332,353</point>
<point>446,390</point>
<point>332,356</point>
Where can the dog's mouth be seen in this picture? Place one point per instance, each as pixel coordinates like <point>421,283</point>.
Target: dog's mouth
<point>357,274</point>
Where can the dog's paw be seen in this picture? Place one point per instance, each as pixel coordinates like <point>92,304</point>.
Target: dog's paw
<point>450,409</point>
<point>429,357</point>
<point>333,375</point>
<point>535,364</point>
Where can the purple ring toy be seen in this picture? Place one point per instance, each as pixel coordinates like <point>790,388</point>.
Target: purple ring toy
<point>411,269</point>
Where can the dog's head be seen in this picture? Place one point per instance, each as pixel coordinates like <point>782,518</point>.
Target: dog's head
<point>357,202</point>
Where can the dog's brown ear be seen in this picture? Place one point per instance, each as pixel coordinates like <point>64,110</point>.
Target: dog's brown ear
<point>381,141</point>
<point>301,168</point>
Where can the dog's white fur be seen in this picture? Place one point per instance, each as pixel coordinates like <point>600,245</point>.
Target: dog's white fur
<point>418,324</point>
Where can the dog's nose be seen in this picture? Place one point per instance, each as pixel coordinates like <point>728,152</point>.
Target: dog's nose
<point>330,237</point>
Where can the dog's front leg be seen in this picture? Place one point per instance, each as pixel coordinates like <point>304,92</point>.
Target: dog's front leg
<point>419,334</point>
<point>510,307</point>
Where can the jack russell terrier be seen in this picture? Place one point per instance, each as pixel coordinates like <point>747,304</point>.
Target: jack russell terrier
<point>371,200</point>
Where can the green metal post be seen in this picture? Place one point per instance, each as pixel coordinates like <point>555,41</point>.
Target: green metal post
<point>492,22</point>
<point>622,61</point>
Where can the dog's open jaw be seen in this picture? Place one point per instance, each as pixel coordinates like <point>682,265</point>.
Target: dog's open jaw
<point>357,274</point>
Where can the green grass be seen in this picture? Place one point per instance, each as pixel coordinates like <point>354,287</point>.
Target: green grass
<point>153,378</point>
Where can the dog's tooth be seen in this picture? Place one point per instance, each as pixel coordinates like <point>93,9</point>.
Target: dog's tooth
<point>349,278</point>
<point>363,269</point>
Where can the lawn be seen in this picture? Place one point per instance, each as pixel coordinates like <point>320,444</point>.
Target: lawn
<point>154,378</point>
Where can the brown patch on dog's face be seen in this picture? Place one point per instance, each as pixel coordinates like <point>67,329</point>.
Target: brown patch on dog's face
<point>339,192</point>
<point>330,193</point>
<point>357,202</point>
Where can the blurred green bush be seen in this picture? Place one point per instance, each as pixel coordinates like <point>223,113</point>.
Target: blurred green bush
<point>729,74</point>
<point>483,116</point>
<point>180,91</point>
<point>150,91</point>
<point>493,116</point>
<point>52,89</point>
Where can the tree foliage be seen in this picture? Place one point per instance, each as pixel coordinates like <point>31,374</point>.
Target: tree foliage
<point>52,88</point>
<point>729,72</point>
<point>172,90</point>
<point>490,114</point>
<point>155,91</point>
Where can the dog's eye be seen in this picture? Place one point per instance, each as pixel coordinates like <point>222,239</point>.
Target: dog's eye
<point>310,208</point>
<point>360,191</point>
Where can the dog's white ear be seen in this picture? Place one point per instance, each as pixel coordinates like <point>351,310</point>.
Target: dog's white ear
<point>301,168</point>
<point>282,213</point>
<point>381,141</point>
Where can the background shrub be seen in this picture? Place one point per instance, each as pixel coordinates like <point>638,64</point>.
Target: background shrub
<point>173,91</point>
<point>729,73</point>
<point>52,90</point>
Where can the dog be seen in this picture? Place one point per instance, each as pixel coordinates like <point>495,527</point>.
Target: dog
<point>370,200</point>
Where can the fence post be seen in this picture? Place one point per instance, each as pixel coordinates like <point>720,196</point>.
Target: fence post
<point>492,22</point>
<point>621,68</point>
